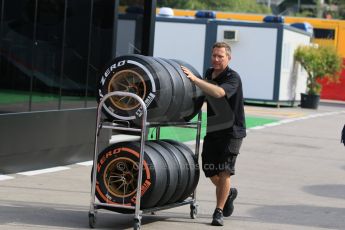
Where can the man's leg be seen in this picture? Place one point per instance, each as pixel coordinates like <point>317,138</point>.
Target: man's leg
<point>222,183</point>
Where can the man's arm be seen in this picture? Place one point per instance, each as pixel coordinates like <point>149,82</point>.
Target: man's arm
<point>208,88</point>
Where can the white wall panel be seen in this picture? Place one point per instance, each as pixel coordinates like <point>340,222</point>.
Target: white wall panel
<point>253,57</point>
<point>184,41</point>
<point>292,78</point>
<point>125,43</point>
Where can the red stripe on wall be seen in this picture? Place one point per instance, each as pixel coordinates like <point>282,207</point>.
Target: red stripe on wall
<point>334,91</point>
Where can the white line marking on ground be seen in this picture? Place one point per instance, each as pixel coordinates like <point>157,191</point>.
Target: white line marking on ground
<point>42,171</point>
<point>4,177</point>
<point>85,163</point>
<point>257,127</point>
<point>271,124</point>
<point>285,121</point>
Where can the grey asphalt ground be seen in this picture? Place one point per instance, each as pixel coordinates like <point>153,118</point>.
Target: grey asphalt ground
<point>290,175</point>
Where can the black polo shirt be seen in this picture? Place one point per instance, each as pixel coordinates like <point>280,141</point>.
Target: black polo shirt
<point>225,116</point>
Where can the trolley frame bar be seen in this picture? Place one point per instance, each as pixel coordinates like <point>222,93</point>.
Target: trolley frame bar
<point>144,125</point>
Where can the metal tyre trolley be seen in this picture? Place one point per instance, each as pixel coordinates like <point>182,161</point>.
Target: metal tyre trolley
<point>104,124</point>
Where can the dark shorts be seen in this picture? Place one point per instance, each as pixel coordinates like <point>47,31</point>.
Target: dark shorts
<point>219,154</point>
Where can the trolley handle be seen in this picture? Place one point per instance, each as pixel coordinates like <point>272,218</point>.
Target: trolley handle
<point>124,94</point>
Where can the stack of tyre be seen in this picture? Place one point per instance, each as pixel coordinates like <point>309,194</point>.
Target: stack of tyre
<point>170,169</point>
<point>170,173</point>
<point>160,83</point>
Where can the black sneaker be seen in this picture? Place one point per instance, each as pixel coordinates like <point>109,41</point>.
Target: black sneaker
<point>229,204</point>
<point>217,217</point>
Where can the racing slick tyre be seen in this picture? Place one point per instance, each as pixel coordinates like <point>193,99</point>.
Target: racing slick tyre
<point>193,167</point>
<point>167,93</point>
<point>139,75</point>
<point>184,178</point>
<point>117,176</point>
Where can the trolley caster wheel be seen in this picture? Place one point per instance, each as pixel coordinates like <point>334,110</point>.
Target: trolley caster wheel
<point>92,220</point>
<point>193,211</point>
<point>137,224</point>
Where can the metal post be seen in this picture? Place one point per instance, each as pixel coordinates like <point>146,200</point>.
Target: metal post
<point>148,30</point>
<point>197,147</point>
<point>158,133</point>
<point>62,64</point>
